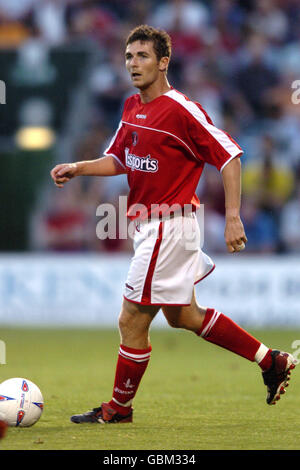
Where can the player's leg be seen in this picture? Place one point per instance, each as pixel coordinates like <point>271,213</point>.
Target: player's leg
<point>133,358</point>
<point>134,323</point>
<point>134,353</point>
<point>217,328</point>
<point>185,317</point>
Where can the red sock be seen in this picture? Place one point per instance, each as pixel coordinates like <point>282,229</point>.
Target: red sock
<point>130,369</point>
<point>221,330</point>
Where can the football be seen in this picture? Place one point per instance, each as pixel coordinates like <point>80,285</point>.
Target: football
<point>21,402</point>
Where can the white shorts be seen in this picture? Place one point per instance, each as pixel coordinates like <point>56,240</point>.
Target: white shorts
<point>167,262</point>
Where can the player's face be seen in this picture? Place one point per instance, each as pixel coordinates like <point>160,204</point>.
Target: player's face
<point>142,64</point>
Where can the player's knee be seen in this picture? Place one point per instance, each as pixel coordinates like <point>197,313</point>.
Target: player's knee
<point>187,324</point>
<point>183,325</point>
<point>175,317</point>
<point>175,322</point>
<point>133,317</point>
<point>188,318</point>
<point>126,321</point>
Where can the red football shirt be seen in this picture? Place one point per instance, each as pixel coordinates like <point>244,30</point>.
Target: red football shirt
<point>163,145</point>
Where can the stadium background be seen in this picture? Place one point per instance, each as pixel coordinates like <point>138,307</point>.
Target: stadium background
<point>63,66</point>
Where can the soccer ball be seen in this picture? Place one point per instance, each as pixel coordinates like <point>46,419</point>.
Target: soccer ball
<point>21,402</point>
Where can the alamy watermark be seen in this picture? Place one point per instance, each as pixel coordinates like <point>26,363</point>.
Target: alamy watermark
<point>296,349</point>
<point>2,352</point>
<point>296,94</point>
<point>114,223</point>
<point>2,92</point>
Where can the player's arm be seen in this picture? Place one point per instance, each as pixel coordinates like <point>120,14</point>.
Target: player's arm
<point>104,166</point>
<point>234,229</point>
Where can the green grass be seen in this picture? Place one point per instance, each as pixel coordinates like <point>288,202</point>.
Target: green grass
<point>194,395</point>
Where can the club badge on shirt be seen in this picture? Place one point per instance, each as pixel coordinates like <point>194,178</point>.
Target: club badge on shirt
<point>135,138</point>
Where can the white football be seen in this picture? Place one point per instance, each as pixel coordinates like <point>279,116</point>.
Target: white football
<point>21,402</point>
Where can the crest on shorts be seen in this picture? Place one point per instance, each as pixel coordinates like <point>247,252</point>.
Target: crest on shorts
<point>135,138</point>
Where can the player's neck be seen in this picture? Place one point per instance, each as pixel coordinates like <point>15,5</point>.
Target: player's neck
<point>155,90</point>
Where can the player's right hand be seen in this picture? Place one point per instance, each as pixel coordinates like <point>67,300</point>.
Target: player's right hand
<point>235,236</point>
<point>62,173</point>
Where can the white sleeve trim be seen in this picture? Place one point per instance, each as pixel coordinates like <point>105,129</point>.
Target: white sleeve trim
<point>113,138</point>
<point>107,153</point>
<point>115,157</point>
<point>229,160</point>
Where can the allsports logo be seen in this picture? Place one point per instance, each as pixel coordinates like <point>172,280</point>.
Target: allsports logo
<point>123,392</point>
<point>135,162</point>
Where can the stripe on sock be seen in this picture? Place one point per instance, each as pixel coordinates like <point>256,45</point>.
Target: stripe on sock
<point>125,405</point>
<point>135,357</point>
<point>210,324</point>
<point>260,353</point>
<point>219,329</point>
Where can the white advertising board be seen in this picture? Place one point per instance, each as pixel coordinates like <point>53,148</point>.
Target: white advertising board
<point>86,290</point>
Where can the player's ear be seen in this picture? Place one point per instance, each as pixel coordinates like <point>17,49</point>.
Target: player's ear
<point>163,64</point>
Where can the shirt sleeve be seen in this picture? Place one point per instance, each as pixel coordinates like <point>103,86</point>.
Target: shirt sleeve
<point>116,147</point>
<point>211,144</point>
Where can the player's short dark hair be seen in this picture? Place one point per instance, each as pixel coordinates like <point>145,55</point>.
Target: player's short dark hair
<point>161,40</point>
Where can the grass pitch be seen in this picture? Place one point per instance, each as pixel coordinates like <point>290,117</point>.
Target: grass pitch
<point>194,395</point>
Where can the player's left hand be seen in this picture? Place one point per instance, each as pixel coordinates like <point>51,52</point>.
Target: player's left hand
<point>235,236</point>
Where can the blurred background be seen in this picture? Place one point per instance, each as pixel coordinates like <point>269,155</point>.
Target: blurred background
<point>62,64</point>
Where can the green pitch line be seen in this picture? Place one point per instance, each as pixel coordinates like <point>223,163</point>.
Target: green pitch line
<point>194,395</point>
